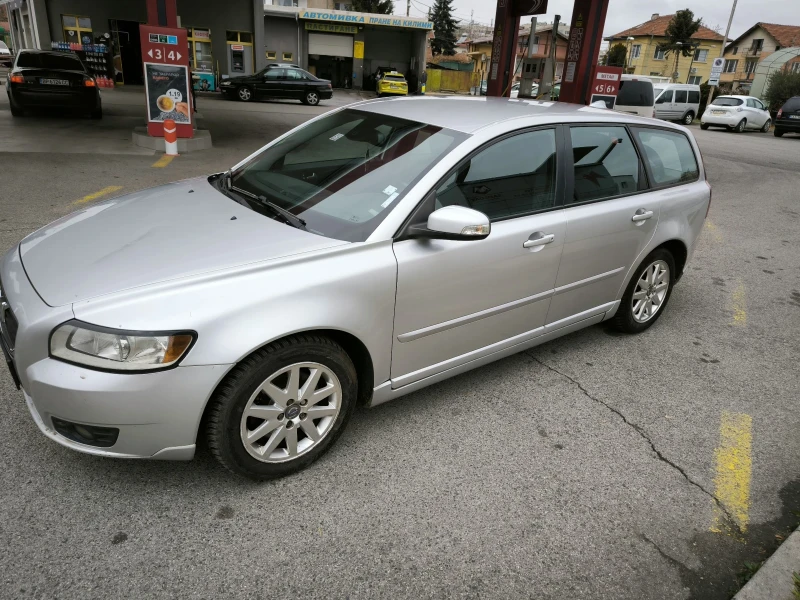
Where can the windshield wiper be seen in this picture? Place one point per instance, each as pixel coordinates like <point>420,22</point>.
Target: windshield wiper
<point>291,218</point>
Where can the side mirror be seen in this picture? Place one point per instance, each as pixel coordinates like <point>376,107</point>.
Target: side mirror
<point>454,223</point>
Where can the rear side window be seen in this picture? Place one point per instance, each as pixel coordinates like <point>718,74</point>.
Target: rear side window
<point>49,61</point>
<point>681,96</point>
<point>514,177</point>
<point>694,97</point>
<point>792,104</point>
<point>670,156</point>
<point>605,163</point>
<point>635,93</point>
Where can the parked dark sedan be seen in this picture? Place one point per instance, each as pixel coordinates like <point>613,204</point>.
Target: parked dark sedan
<point>278,81</point>
<point>42,79</point>
<point>788,118</point>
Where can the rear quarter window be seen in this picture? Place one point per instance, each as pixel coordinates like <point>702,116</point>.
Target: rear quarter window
<point>694,97</point>
<point>635,93</point>
<point>669,155</point>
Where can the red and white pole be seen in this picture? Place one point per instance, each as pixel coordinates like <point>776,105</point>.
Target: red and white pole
<point>171,137</point>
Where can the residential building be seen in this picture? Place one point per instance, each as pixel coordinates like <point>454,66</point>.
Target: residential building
<point>480,50</point>
<point>743,54</point>
<point>645,57</point>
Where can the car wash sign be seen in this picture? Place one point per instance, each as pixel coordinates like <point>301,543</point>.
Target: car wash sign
<point>356,18</point>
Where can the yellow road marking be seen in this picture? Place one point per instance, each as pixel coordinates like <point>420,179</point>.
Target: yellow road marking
<point>739,306</point>
<point>713,230</point>
<point>99,194</point>
<point>732,480</point>
<point>163,161</point>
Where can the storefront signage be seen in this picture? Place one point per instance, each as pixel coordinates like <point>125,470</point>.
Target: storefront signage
<point>166,79</point>
<point>358,49</point>
<point>364,19</point>
<point>201,34</point>
<point>331,28</point>
<point>237,47</point>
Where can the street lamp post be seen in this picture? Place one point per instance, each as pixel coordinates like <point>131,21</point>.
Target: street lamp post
<point>695,45</point>
<point>677,58</point>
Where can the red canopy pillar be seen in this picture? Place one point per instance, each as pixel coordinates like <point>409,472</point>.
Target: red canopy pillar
<point>504,44</point>
<point>585,36</point>
<point>163,13</point>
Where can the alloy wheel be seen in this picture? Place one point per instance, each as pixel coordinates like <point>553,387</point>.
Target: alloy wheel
<point>766,126</point>
<point>740,126</point>
<point>312,98</point>
<point>291,412</point>
<point>650,292</point>
<point>245,94</point>
<point>688,119</point>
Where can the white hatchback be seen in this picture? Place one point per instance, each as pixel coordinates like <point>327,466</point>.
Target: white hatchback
<point>736,113</point>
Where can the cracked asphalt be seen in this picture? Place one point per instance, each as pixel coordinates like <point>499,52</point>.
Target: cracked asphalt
<point>583,468</point>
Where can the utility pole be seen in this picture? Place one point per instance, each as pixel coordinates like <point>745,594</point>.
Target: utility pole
<point>722,50</point>
<point>471,21</point>
<point>408,8</point>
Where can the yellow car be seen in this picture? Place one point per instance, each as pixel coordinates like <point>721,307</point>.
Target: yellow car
<point>392,84</point>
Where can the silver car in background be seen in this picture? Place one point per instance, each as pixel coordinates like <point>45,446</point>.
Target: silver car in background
<point>370,252</point>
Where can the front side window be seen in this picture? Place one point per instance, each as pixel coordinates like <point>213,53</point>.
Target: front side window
<point>759,104</point>
<point>513,177</point>
<point>669,155</point>
<point>606,163</point>
<point>275,74</point>
<point>681,96</point>
<point>665,98</point>
<point>343,173</point>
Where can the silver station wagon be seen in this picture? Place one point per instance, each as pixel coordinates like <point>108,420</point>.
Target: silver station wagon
<point>370,252</point>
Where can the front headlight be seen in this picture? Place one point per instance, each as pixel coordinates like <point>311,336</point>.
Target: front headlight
<point>114,350</point>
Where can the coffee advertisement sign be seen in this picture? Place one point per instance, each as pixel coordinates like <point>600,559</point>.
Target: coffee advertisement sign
<point>167,88</point>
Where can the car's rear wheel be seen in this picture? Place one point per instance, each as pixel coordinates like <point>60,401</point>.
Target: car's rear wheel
<point>97,113</point>
<point>778,132</point>
<point>15,110</point>
<point>282,407</point>
<point>766,126</point>
<point>647,294</point>
<point>703,126</point>
<point>311,98</point>
<point>740,126</point>
<point>688,118</point>
<point>244,93</point>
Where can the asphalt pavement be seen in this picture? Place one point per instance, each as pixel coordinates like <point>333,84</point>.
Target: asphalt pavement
<point>594,466</point>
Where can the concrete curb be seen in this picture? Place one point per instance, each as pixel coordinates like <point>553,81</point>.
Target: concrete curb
<point>773,581</point>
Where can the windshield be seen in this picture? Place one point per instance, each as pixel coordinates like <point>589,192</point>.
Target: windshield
<point>49,61</point>
<point>722,101</point>
<point>657,91</point>
<point>345,172</point>
<point>635,93</point>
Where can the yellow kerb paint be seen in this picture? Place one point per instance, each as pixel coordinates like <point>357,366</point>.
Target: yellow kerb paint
<point>163,161</point>
<point>713,230</point>
<point>739,306</point>
<point>733,472</point>
<point>99,194</point>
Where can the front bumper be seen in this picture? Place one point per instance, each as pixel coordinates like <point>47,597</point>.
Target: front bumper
<point>157,414</point>
<point>726,120</point>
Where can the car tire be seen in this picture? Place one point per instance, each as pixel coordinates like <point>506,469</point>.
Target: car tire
<point>15,112</point>
<point>688,118</point>
<point>740,126</point>
<point>767,125</point>
<point>311,98</point>
<point>244,93</point>
<point>703,126</point>
<point>228,426</point>
<point>97,113</point>
<point>778,133</point>
<point>631,315</point>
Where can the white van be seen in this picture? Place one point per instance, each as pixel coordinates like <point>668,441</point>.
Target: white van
<point>677,102</point>
<point>636,96</point>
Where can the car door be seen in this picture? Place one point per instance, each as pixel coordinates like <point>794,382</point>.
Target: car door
<point>755,119</point>
<point>610,220</point>
<point>272,84</point>
<point>765,116</point>
<point>664,105</point>
<point>457,300</point>
<point>680,104</point>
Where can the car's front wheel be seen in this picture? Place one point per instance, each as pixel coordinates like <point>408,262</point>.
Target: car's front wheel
<point>647,294</point>
<point>244,93</point>
<point>703,126</point>
<point>282,407</point>
<point>311,98</point>
<point>766,126</point>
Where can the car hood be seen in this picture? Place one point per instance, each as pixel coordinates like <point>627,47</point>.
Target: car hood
<point>176,230</point>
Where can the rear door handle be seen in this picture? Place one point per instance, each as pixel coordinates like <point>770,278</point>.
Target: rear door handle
<point>539,239</point>
<point>642,215</point>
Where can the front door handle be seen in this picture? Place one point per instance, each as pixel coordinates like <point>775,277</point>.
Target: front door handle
<point>641,215</point>
<point>539,239</point>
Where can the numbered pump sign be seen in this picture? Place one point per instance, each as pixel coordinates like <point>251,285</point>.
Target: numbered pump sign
<point>166,79</point>
<point>605,85</point>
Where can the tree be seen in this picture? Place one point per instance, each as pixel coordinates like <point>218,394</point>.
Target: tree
<point>616,56</point>
<point>444,28</point>
<point>378,7</point>
<point>781,86</point>
<point>679,34</point>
